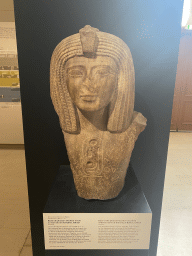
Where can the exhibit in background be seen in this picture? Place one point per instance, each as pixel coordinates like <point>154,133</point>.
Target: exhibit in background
<point>11,128</point>
<point>9,71</point>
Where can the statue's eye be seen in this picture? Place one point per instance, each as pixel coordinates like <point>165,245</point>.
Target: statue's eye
<point>103,71</point>
<point>75,73</point>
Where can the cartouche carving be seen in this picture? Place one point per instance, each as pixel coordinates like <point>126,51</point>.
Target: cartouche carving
<point>92,89</point>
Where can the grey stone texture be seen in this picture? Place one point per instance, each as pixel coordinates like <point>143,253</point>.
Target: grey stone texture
<point>92,89</point>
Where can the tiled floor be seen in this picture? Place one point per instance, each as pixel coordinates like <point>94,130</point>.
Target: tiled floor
<point>175,237</point>
<point>14,208</point>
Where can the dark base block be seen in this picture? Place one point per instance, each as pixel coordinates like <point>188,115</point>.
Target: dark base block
<point>96,253</point>
<point>63,199</point>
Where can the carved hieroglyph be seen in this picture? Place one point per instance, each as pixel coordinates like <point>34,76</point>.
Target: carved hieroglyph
<point>92,89</point>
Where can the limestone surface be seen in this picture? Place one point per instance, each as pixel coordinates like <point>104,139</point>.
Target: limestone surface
<point>92,82</point>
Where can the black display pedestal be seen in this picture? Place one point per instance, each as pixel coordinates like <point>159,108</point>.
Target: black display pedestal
<point>63,199</point>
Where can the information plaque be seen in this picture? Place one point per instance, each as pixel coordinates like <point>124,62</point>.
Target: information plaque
<point>97,230</point>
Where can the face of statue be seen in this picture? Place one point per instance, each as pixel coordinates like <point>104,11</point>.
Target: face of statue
<point>91,81</point>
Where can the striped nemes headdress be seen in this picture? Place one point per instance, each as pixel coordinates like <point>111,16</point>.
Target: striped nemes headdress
<point>90,42</point>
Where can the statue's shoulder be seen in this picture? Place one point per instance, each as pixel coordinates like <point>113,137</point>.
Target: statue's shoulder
<point>138,124</point>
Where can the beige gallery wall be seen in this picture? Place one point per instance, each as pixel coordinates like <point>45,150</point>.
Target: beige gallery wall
<point>6,11</point>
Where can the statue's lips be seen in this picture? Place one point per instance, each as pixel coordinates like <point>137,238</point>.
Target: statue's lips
<point>88,97</point>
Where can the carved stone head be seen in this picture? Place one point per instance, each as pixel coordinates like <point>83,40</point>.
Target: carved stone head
<point>92,89</point>
<point>92,70</point>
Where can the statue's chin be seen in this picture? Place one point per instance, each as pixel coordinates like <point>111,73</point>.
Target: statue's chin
<point>90,110</point>
<point>88,106</point>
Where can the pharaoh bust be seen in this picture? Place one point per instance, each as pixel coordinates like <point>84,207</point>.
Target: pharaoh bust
<point>92,89</point>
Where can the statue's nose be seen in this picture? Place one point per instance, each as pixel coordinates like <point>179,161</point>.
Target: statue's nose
<point>89,84</point>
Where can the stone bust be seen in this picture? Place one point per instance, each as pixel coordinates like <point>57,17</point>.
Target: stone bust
<point>92,89</point>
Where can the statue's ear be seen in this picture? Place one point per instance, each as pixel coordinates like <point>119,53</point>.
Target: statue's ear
<point>121,109</point>
<point>61,99</point>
